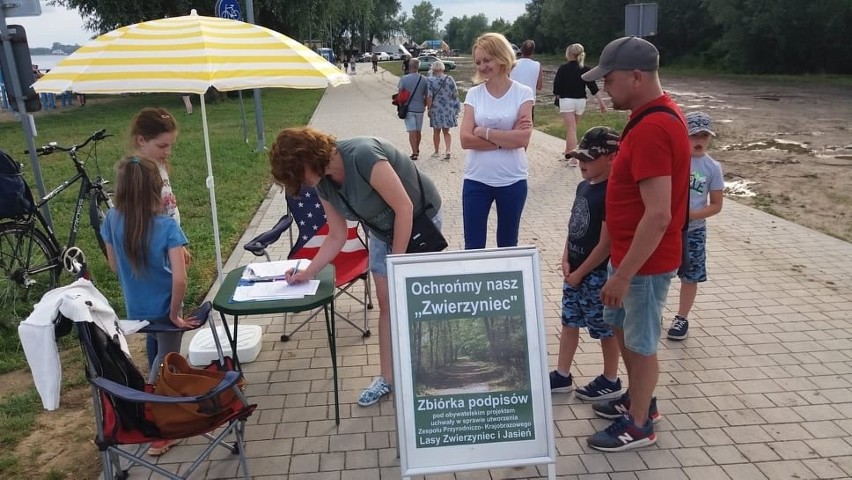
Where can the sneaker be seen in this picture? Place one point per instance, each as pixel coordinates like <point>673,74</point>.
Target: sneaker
<point>621,406</point>
<point>623,434</point>
<point>679,328</point>
<point>378,389</point>
<point>560,384</point>
<point>599,389</point>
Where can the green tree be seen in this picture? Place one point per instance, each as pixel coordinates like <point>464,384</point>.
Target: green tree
<point>784,36</point>
<point>423,24</point>
<point>474,27</point>
<point>453,33</point>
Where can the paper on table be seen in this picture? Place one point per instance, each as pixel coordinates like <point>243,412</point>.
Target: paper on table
<point>270,270</point>
<point>279,290</point>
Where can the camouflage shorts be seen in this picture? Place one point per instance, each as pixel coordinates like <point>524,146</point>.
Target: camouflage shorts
<point>697,271</point>
<point>582,306</point>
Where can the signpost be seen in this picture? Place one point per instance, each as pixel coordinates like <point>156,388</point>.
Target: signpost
<point>231,10</point>
<point>470,361</point>
<point>640,20</point>
<point>21,8</point>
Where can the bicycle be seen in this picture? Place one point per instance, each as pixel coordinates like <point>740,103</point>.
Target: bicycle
<point>31,257</point>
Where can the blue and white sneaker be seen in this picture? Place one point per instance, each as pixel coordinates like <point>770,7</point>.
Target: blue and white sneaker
<point>679,329</point>
<point>560,384</point>
<point>599,389</point>
<point>378,389</point>
<point>623,434</point>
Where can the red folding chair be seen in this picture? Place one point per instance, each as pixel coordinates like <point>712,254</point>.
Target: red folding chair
<point>351,265</point>
<point>125,426</point>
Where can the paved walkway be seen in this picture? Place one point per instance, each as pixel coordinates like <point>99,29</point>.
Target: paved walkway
<point>761,389</point>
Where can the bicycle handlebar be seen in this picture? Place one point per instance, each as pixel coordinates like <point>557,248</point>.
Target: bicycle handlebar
<point>53,147</point>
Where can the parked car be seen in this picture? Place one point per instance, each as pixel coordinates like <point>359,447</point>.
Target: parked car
<point>516,50</point>
<point>383,56</point>
<point>396,56</point>
<point>430,51</point>
<point>426,62</point>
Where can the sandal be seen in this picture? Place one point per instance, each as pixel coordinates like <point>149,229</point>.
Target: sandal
<point>413,157</point>
<point>160,447</point>
<point>447,156</point>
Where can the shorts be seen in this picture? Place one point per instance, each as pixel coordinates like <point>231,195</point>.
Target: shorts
<point>576,105</point>
<point>640,315</point>
<point>582,306</point>
<point>379,250</point>
<point>414,122</point>
<point>696,243</point>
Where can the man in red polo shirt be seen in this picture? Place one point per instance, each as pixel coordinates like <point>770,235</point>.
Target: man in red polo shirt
<point>646,205</point>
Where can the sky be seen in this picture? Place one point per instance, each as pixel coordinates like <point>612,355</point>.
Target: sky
<point>508,10</point>
<point>57,24</point>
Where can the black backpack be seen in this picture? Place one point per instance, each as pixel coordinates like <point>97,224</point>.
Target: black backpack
<point>15,196</point>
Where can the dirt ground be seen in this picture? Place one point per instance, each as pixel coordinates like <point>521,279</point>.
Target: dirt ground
<point>789,145</point>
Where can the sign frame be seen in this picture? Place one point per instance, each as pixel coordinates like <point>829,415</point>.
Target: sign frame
<point>489,443</point>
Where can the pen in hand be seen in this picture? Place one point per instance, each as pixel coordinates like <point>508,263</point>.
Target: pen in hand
<point>290,273</point>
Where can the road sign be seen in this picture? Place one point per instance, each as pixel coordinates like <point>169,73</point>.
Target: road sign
<point>21,8</point>
<point>229,9</point>
<point>640,20</point>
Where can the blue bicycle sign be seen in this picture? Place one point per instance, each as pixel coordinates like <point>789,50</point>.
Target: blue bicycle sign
<point>229,9</point>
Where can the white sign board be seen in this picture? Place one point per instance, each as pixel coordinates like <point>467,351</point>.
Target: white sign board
<point>21,8</point>
<point>470,361</point>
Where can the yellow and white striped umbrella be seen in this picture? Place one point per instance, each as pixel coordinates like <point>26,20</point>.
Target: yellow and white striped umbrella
<point>189,54</point>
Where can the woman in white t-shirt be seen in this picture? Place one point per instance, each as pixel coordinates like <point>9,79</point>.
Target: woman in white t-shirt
<point>495,131</point>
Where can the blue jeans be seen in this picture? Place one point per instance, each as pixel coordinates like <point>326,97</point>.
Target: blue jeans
<point>48,101</point>
<point>639,316</point>
<point>477,198</point>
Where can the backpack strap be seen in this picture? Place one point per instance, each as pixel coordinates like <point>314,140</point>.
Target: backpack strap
<point>657,108</point>
<point>632,123</point>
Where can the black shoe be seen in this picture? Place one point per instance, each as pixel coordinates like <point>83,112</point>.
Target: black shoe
<point>560,384</point>
<point>599,389</point>
<point>621,406</point>
<point>623,434</point>
<point>679,328</point>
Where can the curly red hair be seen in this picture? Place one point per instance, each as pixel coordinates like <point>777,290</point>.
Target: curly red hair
<point>297,149</point>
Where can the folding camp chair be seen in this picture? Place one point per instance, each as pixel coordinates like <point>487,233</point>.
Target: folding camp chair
<point>351,265</point>
<point>123,423</point>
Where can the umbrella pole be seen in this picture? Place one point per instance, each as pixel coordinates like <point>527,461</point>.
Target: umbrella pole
<point>212,188</point>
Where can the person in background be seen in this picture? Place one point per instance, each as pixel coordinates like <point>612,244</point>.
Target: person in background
<point>570,91</point>
<point>417,85</point>
<point>375,59</point>
<point>145,248</point>
<point>187,103</point>
<point>584,262</point>
<point>495,131</point>
<point>528,71</point>
<point>382,183</point>
<point>406,64</point>
<point>646,200</point>
<point>153,133</point>
<point>443,107</point>
<point>706,186</point>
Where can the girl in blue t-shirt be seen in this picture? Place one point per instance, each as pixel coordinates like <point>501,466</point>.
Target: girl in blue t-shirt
<point>145,248</point>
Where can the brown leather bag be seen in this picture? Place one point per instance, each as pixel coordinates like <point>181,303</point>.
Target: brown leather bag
<point>179,379</point>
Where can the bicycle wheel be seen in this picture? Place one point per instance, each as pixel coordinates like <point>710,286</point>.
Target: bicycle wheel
<point>27,265</point>
<point>99,203</point>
